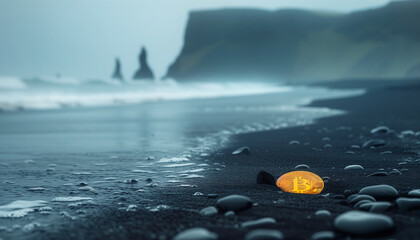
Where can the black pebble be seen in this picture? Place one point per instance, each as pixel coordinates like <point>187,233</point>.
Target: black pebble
<point>264,177</point>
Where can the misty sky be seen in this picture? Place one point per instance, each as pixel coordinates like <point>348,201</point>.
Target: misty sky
<point>81,38</point>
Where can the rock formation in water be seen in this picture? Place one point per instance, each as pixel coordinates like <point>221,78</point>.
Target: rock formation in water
<point>117,71</point>
<point>144,72</point>
<point>300,45</point>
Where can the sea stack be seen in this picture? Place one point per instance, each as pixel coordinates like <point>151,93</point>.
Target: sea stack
<point>117,71</point>
<point>144,72</point>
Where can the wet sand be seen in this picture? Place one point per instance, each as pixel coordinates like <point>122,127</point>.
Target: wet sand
<point>393,104</point>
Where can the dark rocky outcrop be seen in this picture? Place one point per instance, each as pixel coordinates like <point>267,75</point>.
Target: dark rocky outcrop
<point>144,72</point>
<point>117,71</point>
<point>298,45</point>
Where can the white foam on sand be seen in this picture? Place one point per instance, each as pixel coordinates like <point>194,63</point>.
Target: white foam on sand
<point>178,165</point>
<point>71,199</point>
<point>173,159</point>
<point>19,208</point>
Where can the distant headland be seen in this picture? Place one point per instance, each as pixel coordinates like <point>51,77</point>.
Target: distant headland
<point>301,46</point>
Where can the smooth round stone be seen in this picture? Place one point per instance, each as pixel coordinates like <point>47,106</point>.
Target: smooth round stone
<point>302,166</point>
<point>264,177</point>
<point>374,143</point>
<point>234,203</point>
<point>407,204</point>
<point>378,174</point>
<point>353,167</point>
<point>242,150</point>
<point>322,213</point>
<point>395,172</point>
<point>324,235</point>
<point>380,129</point>
<point>362,223</point>
<point>380,191</point>
<point>264,234</point>
<point>294,142</point>
<point>196,234</point>
<point>230,214</point>
<point>408,133</point>
<point>385,152</point>
<point>355,198</point>
<point>376,207</point>
<point>262,222</point>
<point>358,204</point>
<point>209,211</point>
<point>414,193</point>
<point>212,195</point>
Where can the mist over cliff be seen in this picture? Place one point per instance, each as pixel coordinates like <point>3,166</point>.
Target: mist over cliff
<point>298,45</point>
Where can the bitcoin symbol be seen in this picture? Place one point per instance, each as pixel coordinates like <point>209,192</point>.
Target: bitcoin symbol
<point>300,185</point>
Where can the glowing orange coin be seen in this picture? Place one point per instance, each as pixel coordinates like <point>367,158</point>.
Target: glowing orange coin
<point>300,182</point>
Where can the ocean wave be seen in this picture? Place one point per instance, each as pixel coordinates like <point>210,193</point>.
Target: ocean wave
<point>58,93</point>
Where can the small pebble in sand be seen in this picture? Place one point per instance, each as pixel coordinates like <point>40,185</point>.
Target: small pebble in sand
<point>328,146</point>
<point>131,181</point>
<point>378,174</point>
<point>324,235</point>
<point>360,203</point>
<point>264,234</point>
<point>294,142</point>
<point>198,194</point>
<point>395,172</point>
<point>362,223</point>
<point>323,213</point>
<point>385,153</point>
<point>407,204</point>
<point>350,153</point>
<point>414,193</point>
<point>230,214</point>
<point>234,203</point>
<point>196,234</point>
<point>132,208</point>
<point>374,143</point>
<point>326,139</point>
<point>353,167</point>
<point>81,184</point>
<point>407,133</point>
<point>302,166</point>
<point>262,222</point>
<point>264,177</point>
<point>380,191</point>
<point>208,211</point>
<point>375,207</point>
<point>380,129</point>
<point>242,150</point>
<point>355,146</point>
<point>355,198</point>
<point>50,169</point>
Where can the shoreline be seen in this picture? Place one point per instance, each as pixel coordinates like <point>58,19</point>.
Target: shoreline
<point>270,151</point>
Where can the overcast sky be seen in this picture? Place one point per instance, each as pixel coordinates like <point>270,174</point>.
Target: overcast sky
<point>81,38</point>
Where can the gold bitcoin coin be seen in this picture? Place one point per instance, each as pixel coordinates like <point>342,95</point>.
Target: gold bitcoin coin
<point>300,182</point>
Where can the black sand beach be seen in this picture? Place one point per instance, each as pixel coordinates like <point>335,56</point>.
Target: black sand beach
<point>393,104</point>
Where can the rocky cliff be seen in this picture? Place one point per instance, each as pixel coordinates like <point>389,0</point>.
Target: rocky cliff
<point>297,45</point>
